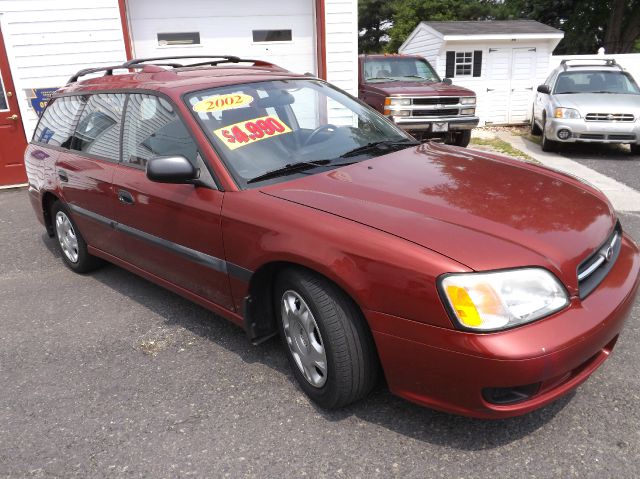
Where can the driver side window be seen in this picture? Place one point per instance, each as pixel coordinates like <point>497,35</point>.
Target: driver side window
<point>153,128</point>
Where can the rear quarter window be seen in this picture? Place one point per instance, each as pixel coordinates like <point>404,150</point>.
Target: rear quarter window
<point>98,130</point>
<point>58,121</point>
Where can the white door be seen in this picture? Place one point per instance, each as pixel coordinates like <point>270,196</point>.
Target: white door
<point>281,32</point>
<point>498,85</point>
<point>511,75</point>
<point>523,75</point>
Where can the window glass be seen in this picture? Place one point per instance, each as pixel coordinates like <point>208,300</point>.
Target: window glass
<point>596,81</point>
<point>464,63</point>
<point>58,121</point>
<point>3,96</point>
<point>153,128</point>
<point>272,35</point>
<point>383,69</point>
<point>180,39</point>
<point>98,131</point>
<point>264,126</point>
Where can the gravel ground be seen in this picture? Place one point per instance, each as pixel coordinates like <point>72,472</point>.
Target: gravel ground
<point>107,375</point>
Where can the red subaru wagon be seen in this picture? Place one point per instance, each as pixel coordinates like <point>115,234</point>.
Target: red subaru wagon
<point>478,284</point>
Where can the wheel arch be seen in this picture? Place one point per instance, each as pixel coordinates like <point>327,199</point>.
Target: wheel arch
<point>48,198</point>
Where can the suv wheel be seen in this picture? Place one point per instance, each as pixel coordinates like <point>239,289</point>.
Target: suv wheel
<point>635,149</point>
<point>547,144</point>
<point>329,346</point>
<point>534,129</point>
<point>459,139</point>
<point>70,242</point>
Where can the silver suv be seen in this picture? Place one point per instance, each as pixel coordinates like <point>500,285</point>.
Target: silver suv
<point>588,101</point>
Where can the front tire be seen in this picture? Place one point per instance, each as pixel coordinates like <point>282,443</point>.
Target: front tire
<point>71,244</point>
<point>328,343</point>
<point>635,149</point>
<point>460,139</point>
<point>547,144</point>
<point>534,129</point>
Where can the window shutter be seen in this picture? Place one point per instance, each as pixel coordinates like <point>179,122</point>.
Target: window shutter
<point>451,65</point>
<point>477,63</point>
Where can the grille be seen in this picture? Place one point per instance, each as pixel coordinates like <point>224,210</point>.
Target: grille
<point>609,117</point>
<point>622,137</point>
<point>443,112</point>
<point>436,101</point>
<point>596,267</point>
<point>591,136</point>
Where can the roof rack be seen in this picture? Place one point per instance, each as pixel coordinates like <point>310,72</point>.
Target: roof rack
<point>608,62</point>
<point>212,60</point>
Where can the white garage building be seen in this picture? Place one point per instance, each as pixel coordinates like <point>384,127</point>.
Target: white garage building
<point>46,41</point>
<point>502,61</point>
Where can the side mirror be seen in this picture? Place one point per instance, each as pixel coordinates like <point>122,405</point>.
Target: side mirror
<point>171,169</point>
<point>447,81</point>
<point>544,89</point>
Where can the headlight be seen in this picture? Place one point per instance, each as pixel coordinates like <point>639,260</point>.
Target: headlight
<point>397,101</point>
<point>502,299</point>
<point>566,113</point>
<point>468,100</point>
<point>467,111</point>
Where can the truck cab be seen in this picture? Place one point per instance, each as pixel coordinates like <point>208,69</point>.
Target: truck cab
<point>407,89</point>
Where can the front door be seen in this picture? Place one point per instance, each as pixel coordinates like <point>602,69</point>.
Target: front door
<point>172,231</point>
<point>12,138</point>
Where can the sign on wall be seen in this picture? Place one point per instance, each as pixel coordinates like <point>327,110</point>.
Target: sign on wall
<point>39,97</point>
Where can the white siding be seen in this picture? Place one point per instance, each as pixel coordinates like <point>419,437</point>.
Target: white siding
<point>425,44</point>
<point>341,23</point>
<point>47,41</point>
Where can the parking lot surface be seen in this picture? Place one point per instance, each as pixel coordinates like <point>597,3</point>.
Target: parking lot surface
<point>108,375</point>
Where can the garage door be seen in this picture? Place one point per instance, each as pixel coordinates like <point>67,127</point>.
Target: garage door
<point>281,32</point>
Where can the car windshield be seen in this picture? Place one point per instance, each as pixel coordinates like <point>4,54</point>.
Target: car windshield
<point>596,82</point>
<point>398,69</point>
<point>290,127</point>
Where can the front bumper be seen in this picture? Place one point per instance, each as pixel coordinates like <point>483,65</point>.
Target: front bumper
<point>594,131</point>
<point>449,369</point>
<point>455,123</point>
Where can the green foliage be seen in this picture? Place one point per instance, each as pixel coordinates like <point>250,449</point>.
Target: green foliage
<point>588,24</point>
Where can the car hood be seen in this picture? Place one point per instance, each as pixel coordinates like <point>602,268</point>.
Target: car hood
<point>600,102</point>
<point>483,211</point>
<point>412,88</point>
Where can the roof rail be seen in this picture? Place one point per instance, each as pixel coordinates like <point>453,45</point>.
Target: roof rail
<point>608,62</point>
<point>212,60</point>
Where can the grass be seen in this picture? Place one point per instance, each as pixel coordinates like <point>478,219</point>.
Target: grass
<point>526,134</point>
<point>501,146</point>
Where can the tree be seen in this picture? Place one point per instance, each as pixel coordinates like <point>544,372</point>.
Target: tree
<point>374,19</point>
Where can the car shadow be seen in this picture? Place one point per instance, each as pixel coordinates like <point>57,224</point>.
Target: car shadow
<point>380,407</point>
<point>606,151</point>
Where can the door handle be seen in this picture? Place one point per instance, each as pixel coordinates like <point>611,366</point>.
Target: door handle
<point>125,197</point>
<point>13,117</point>
<point>63,176</point>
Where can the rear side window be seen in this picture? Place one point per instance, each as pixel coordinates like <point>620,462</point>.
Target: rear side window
<point>153,128</point>
<point>58,121</point>
<point>98,131</point>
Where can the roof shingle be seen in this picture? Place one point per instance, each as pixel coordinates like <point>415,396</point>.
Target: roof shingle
<point>491,27</point>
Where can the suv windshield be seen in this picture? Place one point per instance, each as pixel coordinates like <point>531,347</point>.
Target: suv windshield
<point>267,130</point>
<point>398,68</point>
<point>596,81</point>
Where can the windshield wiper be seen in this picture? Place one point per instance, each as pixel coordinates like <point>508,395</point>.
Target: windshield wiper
<point>378,145</point>
<point>289,169</point>
<point>381,78</point>
<point>418,76</point>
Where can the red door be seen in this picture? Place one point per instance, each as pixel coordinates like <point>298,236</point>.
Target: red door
<point>12,138</point>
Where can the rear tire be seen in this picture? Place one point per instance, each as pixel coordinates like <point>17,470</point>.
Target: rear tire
<point>327,340</point>
<point>71,244</point>
<point>459,139</point>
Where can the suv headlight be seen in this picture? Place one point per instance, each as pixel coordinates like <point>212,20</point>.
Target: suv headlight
<point>566,113</point>
<point>468,100</point>
<point>502,299</point>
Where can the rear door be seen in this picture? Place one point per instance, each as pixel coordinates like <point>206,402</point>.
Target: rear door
<point>86,169</point>
<point>171,231</point>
